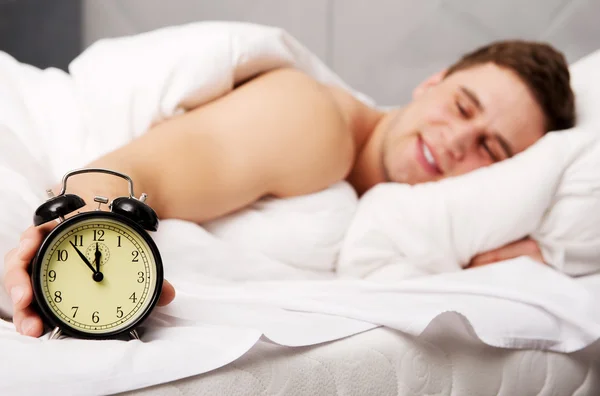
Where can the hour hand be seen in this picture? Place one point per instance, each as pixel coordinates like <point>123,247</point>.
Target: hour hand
<point>97,256</point>
<point>85,260</point>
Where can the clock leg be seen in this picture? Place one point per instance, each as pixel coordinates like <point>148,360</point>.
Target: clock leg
<point>134,335</point>
<point>56,333</point>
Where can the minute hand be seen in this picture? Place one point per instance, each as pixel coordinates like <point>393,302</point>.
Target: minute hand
<point>83,257</point>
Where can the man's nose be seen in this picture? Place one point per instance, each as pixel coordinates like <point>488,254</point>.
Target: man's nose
<point>462,137</point>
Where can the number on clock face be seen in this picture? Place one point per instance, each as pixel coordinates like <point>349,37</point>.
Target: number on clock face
<point>127,283</point>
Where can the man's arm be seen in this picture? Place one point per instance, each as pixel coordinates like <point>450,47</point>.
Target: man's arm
<point>280,134</point>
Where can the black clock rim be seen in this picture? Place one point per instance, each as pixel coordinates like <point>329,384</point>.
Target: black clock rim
<point>48,315</point>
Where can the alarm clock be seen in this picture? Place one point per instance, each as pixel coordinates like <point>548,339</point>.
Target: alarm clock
<point>97,274</point>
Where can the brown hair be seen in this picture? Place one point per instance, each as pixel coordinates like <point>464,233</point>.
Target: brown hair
<point>541,67</point>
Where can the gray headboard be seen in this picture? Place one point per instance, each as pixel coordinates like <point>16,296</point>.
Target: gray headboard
<point>380,47</point>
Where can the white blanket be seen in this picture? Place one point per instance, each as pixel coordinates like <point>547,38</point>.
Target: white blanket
<point>119,87</point>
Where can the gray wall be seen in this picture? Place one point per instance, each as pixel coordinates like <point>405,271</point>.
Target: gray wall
<point>381,47</point>
<point>42,33</point>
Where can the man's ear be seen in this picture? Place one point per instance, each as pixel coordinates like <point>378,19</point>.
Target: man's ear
<point>428,83</point>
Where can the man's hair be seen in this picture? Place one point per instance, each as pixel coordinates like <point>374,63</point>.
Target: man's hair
<point>541,67</point>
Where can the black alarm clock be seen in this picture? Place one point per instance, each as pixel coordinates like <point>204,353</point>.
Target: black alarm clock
<point>97,274</point>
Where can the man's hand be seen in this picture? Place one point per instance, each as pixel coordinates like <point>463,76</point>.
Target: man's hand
<point>18,283</point>
<point>523,247</point>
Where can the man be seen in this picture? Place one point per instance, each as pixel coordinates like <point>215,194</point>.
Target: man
<point>283,134</point>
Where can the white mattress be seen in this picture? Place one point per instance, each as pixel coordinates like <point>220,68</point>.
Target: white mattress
<point>386,362</point>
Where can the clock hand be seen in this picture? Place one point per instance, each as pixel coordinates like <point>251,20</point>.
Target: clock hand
<point>97,254</point>
<point>85,260</point>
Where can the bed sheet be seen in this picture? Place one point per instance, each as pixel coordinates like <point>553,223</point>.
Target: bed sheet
<point>388,362</point>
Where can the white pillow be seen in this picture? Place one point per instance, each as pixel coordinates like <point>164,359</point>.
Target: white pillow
<point>569,233</point>
<point>551,191</point>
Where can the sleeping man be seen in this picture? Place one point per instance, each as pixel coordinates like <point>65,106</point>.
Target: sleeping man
<point>283,134</point>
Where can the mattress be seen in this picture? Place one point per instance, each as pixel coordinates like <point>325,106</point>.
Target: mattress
<point>388,362</point>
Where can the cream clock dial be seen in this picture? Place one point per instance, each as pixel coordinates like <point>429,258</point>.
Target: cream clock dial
<point>98,275</point>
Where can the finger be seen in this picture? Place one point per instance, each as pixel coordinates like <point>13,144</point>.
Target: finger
<point>16,279</point>
<point>13,260</point>
<point>523,247</point>
<point>482,259</point>
<point>167,294</point>
<point>28,322</point>
<point>486,258</point>
<point>31,239</point>
<point>18,285</point>
<point>533,250</point>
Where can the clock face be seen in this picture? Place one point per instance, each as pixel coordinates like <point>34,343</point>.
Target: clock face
<point>98,275</point>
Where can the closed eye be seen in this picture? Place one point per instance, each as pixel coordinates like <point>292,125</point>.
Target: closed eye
<point>464,106</point>
<point>461,109</point>
<point>489,151</point>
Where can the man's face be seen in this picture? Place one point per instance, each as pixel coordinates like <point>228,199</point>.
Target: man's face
<point>472,118</point>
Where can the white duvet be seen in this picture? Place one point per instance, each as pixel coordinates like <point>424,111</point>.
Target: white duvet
<point>270,269</point>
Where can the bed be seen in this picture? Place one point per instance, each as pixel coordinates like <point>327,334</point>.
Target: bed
<point>365,43</point>
<point>384,361</point>
<point>388,362</point>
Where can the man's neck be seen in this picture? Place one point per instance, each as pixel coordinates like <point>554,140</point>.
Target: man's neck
<point>369,137</point>
<point>368,127</point>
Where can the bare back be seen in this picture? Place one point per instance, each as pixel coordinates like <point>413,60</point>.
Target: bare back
<point>280,134</point>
